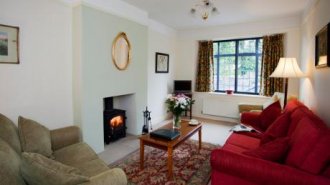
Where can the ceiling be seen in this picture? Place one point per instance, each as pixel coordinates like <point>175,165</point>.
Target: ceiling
<point>176,13</point>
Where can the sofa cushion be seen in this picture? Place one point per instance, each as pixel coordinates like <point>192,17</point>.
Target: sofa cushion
<point>269,115</point>
<point>277,129</point>
<point>9,133</point>
<point>319,156</point>
<point>75,154</point>
<point>243,141</point>
<point>40,170</point>
<point>34,137</point>
<point>296,116</point>
<point>234,148</point>
<point>92,167</point>
<point>9,165</point>
<point>292,105</point>
<point>273,151</point>
<point>302,142</point>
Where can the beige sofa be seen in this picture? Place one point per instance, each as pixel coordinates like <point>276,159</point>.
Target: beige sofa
<point>70,161</point>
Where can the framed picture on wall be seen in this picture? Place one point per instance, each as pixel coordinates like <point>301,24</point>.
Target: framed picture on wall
<point>162,62</point>
<point>9,42</point>
<point>322,48</point>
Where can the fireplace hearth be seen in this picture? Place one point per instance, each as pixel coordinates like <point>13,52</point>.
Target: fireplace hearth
<point>114,124</point>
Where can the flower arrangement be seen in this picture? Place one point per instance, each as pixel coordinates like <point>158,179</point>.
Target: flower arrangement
<point>177,104</point>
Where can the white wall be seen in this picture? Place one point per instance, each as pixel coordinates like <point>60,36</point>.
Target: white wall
<point>188,49</point>
<point>315,89</point>
<point>160,84</point>
<point>40,87</point>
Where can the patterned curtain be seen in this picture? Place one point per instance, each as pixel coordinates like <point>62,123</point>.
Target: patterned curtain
<point>204,79</point>
<point>271,54</point>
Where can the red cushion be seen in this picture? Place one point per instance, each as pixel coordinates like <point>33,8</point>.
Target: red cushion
<point>233,148</point>
<point>273,151</point>
<point>317,159</point>
<point>296,116</point>
<point>302,142</point>
<point>277,129</point>
<point>269,115</point>
<point>243,141</point>
<point>292,105</point>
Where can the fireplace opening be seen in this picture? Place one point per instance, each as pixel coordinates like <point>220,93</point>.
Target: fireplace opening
<point>114,121</point>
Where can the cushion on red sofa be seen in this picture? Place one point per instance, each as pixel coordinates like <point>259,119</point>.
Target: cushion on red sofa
<point>302,142</point>
<point>269,115</point>
<point>292,105</point>
<point>296,116</point>
<point>273,151</point>
<point>251,119</point>
<point>277,129</point>
<point>326,172</point>
<point>319,157</point>
<point>243,141</point>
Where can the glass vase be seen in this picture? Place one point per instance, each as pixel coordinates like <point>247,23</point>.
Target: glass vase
<point>176,121</point>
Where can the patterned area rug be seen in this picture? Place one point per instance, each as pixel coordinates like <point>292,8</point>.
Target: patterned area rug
<point>190,167</point>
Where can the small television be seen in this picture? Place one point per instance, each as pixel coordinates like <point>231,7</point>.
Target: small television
<point>182,85</point>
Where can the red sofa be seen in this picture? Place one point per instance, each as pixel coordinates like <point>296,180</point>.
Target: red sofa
<point>294,149</point>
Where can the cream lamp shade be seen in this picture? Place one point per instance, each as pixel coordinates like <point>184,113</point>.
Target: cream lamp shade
<point>287,68</point>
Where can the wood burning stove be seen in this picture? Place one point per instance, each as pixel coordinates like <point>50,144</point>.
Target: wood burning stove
<point>114,123</point>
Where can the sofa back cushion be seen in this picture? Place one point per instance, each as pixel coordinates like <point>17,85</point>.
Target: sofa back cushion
<point>34,137</point>
<point>9,133</point>
<point>274,150</point>
<point>269,115</point>
<point>292,105</point>
<point>277,129</point>
<point>307,142</point>
<point>319,157</point>
<point>9,165</point>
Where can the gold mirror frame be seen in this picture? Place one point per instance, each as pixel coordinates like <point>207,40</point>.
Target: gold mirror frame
<point>116,52</point>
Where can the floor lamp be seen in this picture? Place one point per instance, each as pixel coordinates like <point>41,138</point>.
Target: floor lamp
<point>287,68</point>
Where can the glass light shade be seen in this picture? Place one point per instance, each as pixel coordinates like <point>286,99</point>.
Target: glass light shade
<point>287,68</point>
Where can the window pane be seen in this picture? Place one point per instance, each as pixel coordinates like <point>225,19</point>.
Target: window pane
<point>215,72</point>
<point>227,73</point>
<point>246,81</point>
<point>260,46</point>
<point>259,74</point>
<point>215,48</point>
<point>247,46</point>
<point>227,47</point>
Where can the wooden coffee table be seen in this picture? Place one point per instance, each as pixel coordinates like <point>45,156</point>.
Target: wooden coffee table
<point>186,131</point>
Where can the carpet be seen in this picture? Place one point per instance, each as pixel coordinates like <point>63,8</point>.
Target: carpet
<point>189,166</point>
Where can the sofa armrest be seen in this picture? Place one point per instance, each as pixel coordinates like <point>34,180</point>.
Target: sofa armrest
<point>249,107</point>
<point>63,137</point>
<point>261,171</point>
<point>114,176</point>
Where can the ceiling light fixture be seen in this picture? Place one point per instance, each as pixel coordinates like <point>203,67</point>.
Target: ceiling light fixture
<point>204,8</point>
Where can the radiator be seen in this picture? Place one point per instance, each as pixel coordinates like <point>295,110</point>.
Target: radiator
<point>222,107</point>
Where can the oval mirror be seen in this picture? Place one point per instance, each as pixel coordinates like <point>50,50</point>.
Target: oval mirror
<point>121,51</point>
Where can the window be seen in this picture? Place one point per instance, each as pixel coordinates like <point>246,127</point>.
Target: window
<point>237,65</point>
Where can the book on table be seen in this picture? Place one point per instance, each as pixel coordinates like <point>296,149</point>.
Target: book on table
<point>169,134</point>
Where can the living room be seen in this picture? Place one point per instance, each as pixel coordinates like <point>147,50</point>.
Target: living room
<point>65,68</point>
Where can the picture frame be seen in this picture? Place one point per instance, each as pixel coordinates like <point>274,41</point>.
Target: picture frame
<point>9,44</point>
<point>322,49</point>
<point>162,62</point>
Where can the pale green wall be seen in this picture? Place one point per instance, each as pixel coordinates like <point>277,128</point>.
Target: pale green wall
<point>100,78</point>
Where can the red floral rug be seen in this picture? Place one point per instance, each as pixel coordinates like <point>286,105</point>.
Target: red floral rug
<point>190,167</point>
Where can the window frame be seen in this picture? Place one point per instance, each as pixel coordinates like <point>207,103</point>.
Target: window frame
<point>237,55</point>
